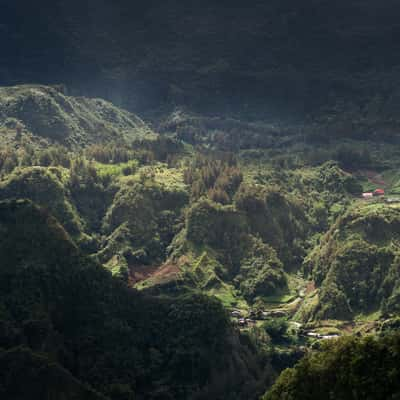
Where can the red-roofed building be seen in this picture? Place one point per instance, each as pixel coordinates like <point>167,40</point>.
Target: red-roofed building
<point>379,192</point>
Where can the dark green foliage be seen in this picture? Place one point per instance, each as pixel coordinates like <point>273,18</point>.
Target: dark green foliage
<point>276,329</point>
<point>162,148</point>
<point>331,178</point>
<point>359,271</point>
<point>352,158</point>
<point>261,272</point>
<point>347,369</point>
<point>237,226</point>
<point>44,187</point>
<point>26,155</point>
<point>25,375</point>
<point>109,154</point>
<point>57,156</point>
<point>8,160</point>
<point>215,225</point>
<point>278,218</point>
<point>90,192</point>
<point>59,303</point>
<point>221,227</point>
<point>334,62</point>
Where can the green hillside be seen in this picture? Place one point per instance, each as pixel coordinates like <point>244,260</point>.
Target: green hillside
<point>132,256</point>
<point>199,200</point>
<point>356,264</point>
<point>46,115</point>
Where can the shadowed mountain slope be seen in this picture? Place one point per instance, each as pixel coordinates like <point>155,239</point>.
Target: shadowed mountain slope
<point>275,59</point>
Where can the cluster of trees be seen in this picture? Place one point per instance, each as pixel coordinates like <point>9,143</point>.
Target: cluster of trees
<point>261,272</point>
<point>332,179</point>
<point>145,152</point>
<point>142,221</point>
<point>247,263</point>
<point>219,227</point>
<point>110,154</point>
<point>162,149</point>
<point>278,218</point>
<point>90,192</point>
<point>217,178</point>
<point>27,155</point>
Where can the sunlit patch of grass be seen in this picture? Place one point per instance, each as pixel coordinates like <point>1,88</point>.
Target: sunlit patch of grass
<point>283,298</point>
<point>116,170</point>
<point>171,178</point>
<point>372,316</point>
<point>228,297</point>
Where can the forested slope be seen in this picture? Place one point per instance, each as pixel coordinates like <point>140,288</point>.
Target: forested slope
<point>63,306</point>
<point>125,250</point>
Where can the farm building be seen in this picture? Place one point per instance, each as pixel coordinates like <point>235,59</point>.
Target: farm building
<point>379,192</point>
<point>367,195</point>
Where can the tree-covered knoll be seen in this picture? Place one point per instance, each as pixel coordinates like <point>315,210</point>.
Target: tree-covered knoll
<point>347,369</point>
<point>356,263</point>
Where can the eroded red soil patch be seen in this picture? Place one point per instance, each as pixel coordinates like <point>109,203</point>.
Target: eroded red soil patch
<point>310,287</point>
<point>141,272</point>
<point>158,273</point>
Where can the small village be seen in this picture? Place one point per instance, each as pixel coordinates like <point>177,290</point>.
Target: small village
<point>255,317</point>
<point>379,194</point>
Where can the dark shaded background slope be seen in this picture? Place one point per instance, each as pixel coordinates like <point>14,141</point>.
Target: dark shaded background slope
<point>278,58</point>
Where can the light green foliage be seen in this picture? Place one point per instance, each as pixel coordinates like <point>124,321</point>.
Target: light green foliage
<point>46,112</point>
<point>354,260</point>
<point>261,272</point>
<point>222,255</point>
<point>113,171</point>
<point>331,178</point>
